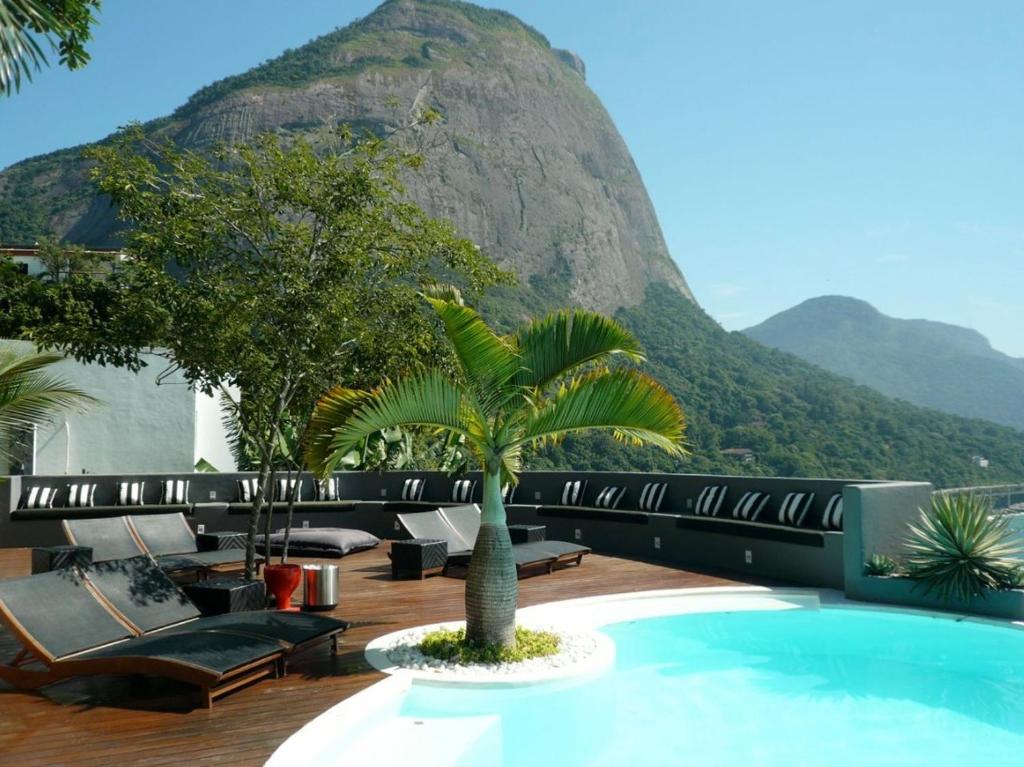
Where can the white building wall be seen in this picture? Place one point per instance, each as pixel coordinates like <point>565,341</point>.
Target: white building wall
<point>139,426</point>
<point>211,440</point>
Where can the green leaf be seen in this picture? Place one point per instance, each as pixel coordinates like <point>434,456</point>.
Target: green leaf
<point>562,342</point>
<point>633,405</point>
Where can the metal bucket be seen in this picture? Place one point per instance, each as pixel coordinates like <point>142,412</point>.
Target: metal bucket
<point>321,587</point>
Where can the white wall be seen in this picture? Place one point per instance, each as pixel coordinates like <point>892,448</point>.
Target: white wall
<point>138,427</point>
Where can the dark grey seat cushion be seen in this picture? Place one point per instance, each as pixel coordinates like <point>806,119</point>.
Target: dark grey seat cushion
<point>323,541</point>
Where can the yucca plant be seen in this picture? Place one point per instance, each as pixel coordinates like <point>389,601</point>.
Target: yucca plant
<point>881,565</point>
<point>960,550</point>
<point>539,384</point>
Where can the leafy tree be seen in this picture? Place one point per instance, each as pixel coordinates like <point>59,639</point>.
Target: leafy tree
<point>61,260</point>
<point>537,385</point>
<point>271,269</point>
<point>30,395</point>
<point>64,24</point>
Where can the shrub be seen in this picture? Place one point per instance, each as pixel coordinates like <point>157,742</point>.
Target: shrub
<point>451,645</point>
<point>880,564</point>
<point>960,550</point>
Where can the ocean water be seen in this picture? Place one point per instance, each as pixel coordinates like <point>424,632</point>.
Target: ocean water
<point>830,687</point>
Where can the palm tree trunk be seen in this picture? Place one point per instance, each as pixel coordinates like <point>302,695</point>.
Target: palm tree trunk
<point>492,589</point>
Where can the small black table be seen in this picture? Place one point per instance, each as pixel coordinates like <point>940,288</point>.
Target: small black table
<point>47,558</point>
<point>219,541</point>
<point>527,533</point>
<point>227,595</point>
<point>418,556</point>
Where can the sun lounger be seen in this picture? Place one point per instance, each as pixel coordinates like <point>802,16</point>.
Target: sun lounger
<point>459,526</point>
<point>128,617</point>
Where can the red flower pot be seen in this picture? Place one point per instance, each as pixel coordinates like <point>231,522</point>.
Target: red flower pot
<point>282,580</point>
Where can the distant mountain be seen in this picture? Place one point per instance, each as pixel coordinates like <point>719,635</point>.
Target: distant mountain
<point>942,366</point>
<point>528,164</point>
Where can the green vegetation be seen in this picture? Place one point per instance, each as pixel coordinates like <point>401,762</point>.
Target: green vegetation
<point>26,26</point>
<point>534,386</point>
<point>451,645</point>
<point>880,564</point>
<point>959,549</point>
<point>798,419</point>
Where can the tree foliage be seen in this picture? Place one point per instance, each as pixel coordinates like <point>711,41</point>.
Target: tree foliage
<point>27,25</point>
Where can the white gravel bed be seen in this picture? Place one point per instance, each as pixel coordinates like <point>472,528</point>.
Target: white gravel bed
<point>402,649</point>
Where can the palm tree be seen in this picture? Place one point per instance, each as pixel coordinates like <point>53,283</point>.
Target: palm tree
<point>29,395</point>
<point>63,24</point>
<point>545,381</point>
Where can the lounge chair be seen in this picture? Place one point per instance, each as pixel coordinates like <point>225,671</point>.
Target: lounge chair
<point>460,525</point>
<point>173,545</point>
<point>128,617</point>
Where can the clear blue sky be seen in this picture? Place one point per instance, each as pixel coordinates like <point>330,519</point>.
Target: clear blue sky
<point>792,149</point>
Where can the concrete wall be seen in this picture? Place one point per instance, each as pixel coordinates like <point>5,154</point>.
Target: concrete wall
<point>138,426</point>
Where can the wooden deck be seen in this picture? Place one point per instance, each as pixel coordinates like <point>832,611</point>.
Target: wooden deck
<point>135,721</point>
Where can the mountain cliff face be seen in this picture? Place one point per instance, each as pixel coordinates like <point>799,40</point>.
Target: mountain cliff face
<point>527,162</point>
<point>946,367</point>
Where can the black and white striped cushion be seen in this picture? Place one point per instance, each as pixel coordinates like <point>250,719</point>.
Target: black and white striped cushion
<point>572,492</point>
<point>80,495</point>
<point>39,498</point>
<point>508,492</point>
<point>412,489</point>
<point>832,519</point>
<point>709,502</point>
<point>285,485</point>
<point>247,489</point>
<point>130,493</point>
<point>652,495</point>
<point>750,506</point>
<point>794,508</point>
<point>462,490</point>
<point>327,489</point>
<point>610,497</point>
<point>174,491</point>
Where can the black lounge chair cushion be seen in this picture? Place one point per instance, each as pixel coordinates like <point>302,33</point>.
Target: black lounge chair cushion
<point>165,534</point>
<point>288,628</point>
<point>323,541</point>
<point>142,593</point>
<point>605,515</point>
<point>59,612</point>
<point>211,652</point>
<point>108,537</point>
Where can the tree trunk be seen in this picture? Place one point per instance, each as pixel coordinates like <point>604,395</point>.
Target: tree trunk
<point>492,589</point>
<point>268,524</point>
<point>293,493</point>
<point>254,518</point>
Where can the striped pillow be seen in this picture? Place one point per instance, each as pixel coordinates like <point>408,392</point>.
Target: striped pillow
<point>326,489</point>
<point>247,489</point>
<point>750,506</point>
<point>709,502</point>
<point>285,487</point>
<point>462,490</point>
<point>174,491</point>
<point>832,519</point>
<point>652,495</point>
<point>572,492</point>
<point>39,498</point>
<point>610,497</point>
<point>794,508</point>
<point>412,489</point>
<point>130,493</point>
<point>508,492</point>
<point>80,495</point>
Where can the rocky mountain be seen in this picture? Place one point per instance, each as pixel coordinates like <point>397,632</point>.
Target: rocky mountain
<point>529,165</point>
<point>942,366</point>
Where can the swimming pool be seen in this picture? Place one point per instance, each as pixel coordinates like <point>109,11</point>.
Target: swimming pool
<point>806,686</point>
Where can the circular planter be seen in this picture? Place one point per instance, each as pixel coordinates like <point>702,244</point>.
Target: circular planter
<point>282,580</point>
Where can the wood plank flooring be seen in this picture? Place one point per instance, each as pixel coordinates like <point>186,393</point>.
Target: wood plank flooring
<point>135,721</point>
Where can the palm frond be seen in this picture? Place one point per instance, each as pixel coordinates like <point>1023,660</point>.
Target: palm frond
<point>561,342</point>
<point>487,360</point>
<point>345,417</point>
<point>633,405</point>
<point>20,52</point>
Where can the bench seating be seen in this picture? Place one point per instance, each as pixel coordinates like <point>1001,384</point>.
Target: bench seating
<point>72,512</point>
<point>626,516</point>
<point>765,531</point>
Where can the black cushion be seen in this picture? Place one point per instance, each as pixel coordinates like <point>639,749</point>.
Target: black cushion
<point>606,515</point>
<point>323,541</point>
<point>757,530</point>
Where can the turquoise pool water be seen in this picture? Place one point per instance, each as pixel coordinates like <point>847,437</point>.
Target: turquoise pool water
<point>800,687</point>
